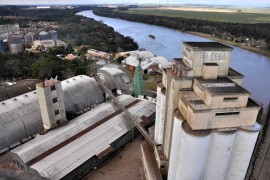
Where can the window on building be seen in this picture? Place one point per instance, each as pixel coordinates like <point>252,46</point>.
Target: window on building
<point>227,114</point>
<point>53,88</point>
<point>199,86</point>
<point>183,102</point>
<point>58,122</point>
<point>56,112</point>
<point>54,100</point>
<point>230,99</point>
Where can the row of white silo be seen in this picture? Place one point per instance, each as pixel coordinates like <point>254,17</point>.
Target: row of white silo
<point>50,35</point>
<point>160,115</point>
<point>15,43</point>
<point>210,154</point>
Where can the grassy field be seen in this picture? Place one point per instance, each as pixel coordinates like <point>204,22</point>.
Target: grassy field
<point>245,16</point>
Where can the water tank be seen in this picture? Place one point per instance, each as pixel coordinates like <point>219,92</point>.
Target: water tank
<point>53,34</point>
<point>15,43</point>
<point>29,38</point>
<point>43,35</point>
<point>2,46</point>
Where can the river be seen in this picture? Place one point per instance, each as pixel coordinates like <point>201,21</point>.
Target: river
<point>169,43</point>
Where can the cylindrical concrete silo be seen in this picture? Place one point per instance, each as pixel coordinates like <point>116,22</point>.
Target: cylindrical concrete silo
<point>219,154</point>
<point>43,35</point>
<point>175,147</point>
<point>157,121</point>
<point>192,153</point>
<point>244,143</point>
<point>53,34</point>
<point>15,43</point>
<point>160,111</point>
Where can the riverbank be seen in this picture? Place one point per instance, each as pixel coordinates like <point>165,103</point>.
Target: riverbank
<point>253,49</point>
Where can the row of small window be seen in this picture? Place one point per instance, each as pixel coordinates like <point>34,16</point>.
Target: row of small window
<point>230,99</point>
<point>227,114</point>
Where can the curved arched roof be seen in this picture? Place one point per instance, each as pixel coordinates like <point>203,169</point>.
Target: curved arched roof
<point>21,117</point>
<point>115,78</point>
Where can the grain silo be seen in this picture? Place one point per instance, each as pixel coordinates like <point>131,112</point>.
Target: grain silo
<point>15,43</point>
<point>29,38</point>
<point>53,34</point>
<point>43,35</point>
<point>208,129</point>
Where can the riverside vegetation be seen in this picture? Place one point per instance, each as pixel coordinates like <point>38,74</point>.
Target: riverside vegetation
<point>74,30</point>
<point>253,36</point>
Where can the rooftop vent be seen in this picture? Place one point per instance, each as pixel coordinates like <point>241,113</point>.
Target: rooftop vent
<point>15,99</point>
<point>3,103</point>
<point>26,95</point>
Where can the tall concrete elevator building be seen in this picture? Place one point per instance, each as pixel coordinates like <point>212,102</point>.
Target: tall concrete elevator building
<point>205,121</point>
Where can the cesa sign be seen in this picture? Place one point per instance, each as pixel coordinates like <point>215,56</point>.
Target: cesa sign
<point>213,56</point>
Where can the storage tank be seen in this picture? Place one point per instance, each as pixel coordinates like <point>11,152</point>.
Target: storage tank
<point>53,34</point>
<point>175,147</point>
<point>15,43</point>
<point>244,143</point>
<point>29,38</point>
<point>159,125</point>
<point>43,35</point>
<point>219,154</point>
<point>192,153</point>
<point>2,46</point>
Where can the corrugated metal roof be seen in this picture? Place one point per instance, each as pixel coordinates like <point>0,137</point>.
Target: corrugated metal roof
<point>114,78</point>
<point>21,115</point>
<point>72,155</point>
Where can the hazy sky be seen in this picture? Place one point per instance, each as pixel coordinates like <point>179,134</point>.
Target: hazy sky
<point>251,3</point>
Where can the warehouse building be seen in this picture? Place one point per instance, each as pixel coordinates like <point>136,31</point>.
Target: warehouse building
<point>20,117</point>
<point>75,148</point>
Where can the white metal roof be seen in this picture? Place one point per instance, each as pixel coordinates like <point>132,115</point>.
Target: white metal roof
<point>72,155</point>
<point>21,115</point>
<point>111,66</point>
<point>117,75</point>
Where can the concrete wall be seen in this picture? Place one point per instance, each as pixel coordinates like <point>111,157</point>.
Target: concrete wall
<point>222,58</point>
<point>172,101</point>
<point>217,101</point>
<point>209,120</point>
<point>195,59</point>
<point>210,72</point>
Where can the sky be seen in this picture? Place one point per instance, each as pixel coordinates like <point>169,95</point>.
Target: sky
<point>245,3</point>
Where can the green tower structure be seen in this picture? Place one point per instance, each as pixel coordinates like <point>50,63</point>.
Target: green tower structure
<point>138,80</point>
